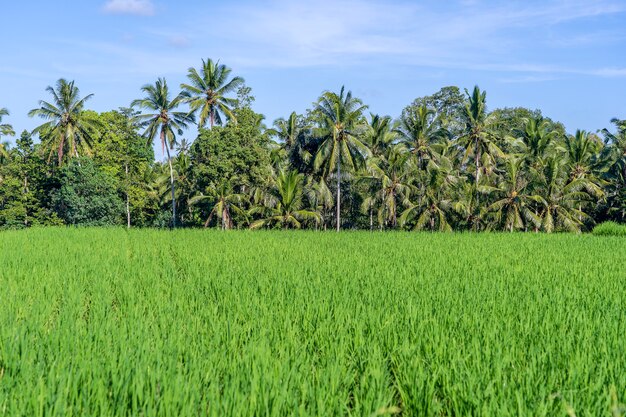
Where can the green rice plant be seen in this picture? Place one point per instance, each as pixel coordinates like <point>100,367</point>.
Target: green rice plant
<point>110,322</point>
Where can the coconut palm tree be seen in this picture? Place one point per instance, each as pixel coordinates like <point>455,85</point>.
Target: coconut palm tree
<point>419,131</point>
<point>534,140</point>
<point>615,169</point>
<point>163,121</point>
<point>5,129</point>
<point>513,206</point>
<point>389,178</point>
<point>379,135</point>
<point>68,127</point>
<point>562,197</point>
<point>340,117</point>
<point>225,202</point>
<point>581,149</point>
<point>433,208</point>
<point>206,92</point>
<point>477,140</point>
<point>285,208</point>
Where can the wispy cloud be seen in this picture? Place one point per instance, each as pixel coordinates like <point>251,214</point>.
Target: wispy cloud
<point>135,7</point>
<point>281,33</point>
<point>470,35</point>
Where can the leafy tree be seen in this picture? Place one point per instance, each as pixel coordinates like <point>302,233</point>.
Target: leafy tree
<point>163,121</point>
<point>340,115</point>
<point>120,151</point>
<point>235,150</point>
<point>68,128</point>
<point>448,105</point>
<point>87,196</point>
<point>206,92</point>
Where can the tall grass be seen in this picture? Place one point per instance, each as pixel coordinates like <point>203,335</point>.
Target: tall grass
<point>189,323</point>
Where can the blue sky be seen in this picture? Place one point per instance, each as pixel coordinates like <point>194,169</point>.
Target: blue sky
<point>565,57</point>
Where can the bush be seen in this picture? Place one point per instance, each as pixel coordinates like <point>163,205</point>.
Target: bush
<point>610,229</point>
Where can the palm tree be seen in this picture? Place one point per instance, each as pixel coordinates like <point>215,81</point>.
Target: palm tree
<point>389,176</point>
<point>162,121</point>
<point>477,140</point>
<point>581,149</point>
<point>513,205</point>
<point>534,140</point>
<point>434,204</point>
<point>379,136</point>
<point>225,202</point>
<point>206,92</point>
<point>286,203</point>
<point>5,130</point>
<point>615,168</point>
<point>419,131</point>
<point>288,132</point>
<point>340,116</point>
<point>67,128</point>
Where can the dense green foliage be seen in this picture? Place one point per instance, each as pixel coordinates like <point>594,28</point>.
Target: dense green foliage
<point>447,162</point>
<point>610,229</point>
<point>87,196</point>
<point>193,323</point>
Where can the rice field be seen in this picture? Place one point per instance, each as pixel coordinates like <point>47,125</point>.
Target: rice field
<point>105,322</point>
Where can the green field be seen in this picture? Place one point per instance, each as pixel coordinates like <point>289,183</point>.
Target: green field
<point>194,322</point>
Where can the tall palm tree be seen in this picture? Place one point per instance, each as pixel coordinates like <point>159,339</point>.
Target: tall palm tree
<point>340,117</point>
<point>286,130</point>
<point>432,210</point>
<point>67,128</point>
<point>477,139</point>
<point>562,197</point>
<point>534,140</point>
<point>5,129</point>
<point>207,90</point>
<point>163,121</point>
<point>419,131</point>
<point>225,202</point>
<point>389,175</point>
<point>289,134</point>
<point>513,206</point>
<point>379,136</point>
<point>581,149</point>
<point>286,203</point>
<point>615,168</point>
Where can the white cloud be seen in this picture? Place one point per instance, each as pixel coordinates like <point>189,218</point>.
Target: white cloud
<point>136,7</point>
<point>290,33</point>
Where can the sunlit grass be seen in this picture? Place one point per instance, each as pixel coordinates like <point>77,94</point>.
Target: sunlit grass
<point>194,322</point>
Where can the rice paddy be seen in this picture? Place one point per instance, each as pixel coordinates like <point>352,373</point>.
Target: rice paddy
<point>109,322</point>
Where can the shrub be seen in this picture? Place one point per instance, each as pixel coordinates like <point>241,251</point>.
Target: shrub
<point>610,229</point>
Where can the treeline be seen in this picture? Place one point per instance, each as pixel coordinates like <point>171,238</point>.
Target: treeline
<point>445,163</point>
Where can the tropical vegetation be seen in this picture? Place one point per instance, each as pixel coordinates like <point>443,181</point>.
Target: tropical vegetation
<point>447,162</point>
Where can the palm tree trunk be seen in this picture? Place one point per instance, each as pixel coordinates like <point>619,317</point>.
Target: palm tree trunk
<point>169,160</point>
<point>338,194</point>
<point>371,218</point>
<point>477,161</point>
